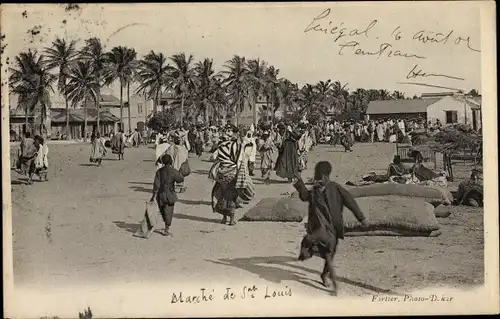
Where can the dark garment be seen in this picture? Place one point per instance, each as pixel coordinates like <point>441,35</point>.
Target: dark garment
<point>225,193</point>
<point>198,147</point>
<point>167,213</point>
<point>325,221</point>
<point>164,185</point>
<point>117,144</point>
<point>287,164</point>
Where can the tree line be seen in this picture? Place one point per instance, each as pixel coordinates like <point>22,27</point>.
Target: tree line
<point>197,89</point>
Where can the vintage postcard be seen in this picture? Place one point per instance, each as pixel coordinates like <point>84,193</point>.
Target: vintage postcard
<point>249,159</point>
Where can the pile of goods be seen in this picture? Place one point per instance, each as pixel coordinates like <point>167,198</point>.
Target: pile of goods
<point>393,216</point>
<point>277,210</point>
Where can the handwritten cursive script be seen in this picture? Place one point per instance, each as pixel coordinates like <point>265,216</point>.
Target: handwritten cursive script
<point>383,49</point>
<point>425,37</point>
<point>338,31</point>
<point>351,41</point>
<point>416,72</point>
<point>247,292</point>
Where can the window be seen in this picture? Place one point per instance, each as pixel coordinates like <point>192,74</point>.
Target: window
<point>451,117</point>
<point>139,108</point>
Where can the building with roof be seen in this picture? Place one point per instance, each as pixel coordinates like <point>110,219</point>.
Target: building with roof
<point>448,109</point>
<point>107,122</point>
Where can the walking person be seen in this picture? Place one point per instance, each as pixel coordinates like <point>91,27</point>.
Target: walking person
<point>325,225</point>
<point>41,158</point>
<point>267,150</point>
<point>118,144</point>
<point>164,191</point>
<point>26,157</point>
<point>97,149</point>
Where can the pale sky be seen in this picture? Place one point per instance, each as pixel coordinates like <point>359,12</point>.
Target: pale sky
<point>276,34</point>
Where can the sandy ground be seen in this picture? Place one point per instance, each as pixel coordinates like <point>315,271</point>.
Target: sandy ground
<point>77,229</point>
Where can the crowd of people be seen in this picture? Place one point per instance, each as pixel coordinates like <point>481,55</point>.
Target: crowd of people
<point>283,148</point>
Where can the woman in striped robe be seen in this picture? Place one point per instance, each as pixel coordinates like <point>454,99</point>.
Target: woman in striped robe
<point>224,172</point>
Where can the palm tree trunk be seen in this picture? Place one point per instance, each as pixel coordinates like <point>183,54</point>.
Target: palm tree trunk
<point>68,135</point>
<point>254,111</point>
<point>121,105</point>
<point>25,120</point>
<point>128,100</point>
<point>85,119</point>
<point>155,102</point>
<point>98,108</point>
<point>182,109</point>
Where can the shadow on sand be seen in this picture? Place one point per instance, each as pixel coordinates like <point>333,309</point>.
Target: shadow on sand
<point>141,183</point>
<point>18,182</point>
<point>197,218</point>
<point>88,165</point>
<point>195,202</point>
<point>141,189</point>
<point>131,228</point>
<point>200,172</point>
<point>263,267</point>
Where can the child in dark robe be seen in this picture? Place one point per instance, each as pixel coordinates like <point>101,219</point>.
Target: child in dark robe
<point>325,225</point>
<point>164,190</point>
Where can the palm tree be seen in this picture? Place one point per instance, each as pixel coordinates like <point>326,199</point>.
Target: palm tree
<point>93,51</point>
<point>33,83</point>
<point>308,99</point>
<point>83,87</point>
<point>324,90</point>
<point>272,89</point>
<point>205,75</point>
<point>237,83</point>
<point>287,94</point>
<point>384,94</point>
<point>360,99</point>
<point>340,95</point>
<point>120,65</point>
<point>61,55</point>
<point>153,76</point>
<point>183,78</point>
<point>257,78</point>
<point>396,95</point>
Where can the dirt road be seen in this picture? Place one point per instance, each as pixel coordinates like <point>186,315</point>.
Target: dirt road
<point>77,229</point>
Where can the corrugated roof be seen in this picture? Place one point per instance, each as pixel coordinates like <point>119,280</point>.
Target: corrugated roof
<point>400,106</point>
<point>76,115</point>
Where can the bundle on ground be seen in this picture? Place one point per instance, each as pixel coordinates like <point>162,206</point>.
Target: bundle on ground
<point>435,195</point>
<point>277,210</point>
<point>149,222</point>
<point>442,211</point>
<point>393,216</point>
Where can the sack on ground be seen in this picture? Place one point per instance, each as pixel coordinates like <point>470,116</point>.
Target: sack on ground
<point>435,195</point>
<point>442,211</point>
<point>392,216</point>
<point>277,210</point>
<point>149,222</point>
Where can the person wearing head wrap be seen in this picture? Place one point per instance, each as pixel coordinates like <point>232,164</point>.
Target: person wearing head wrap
<point>268,152</point>
<point>224,172</point>
<point>41,158</point>
<point>161,148</point>
<point>97,150</point>
<point>179,154</point>
<point>287,163</point>
<point>249,139</point>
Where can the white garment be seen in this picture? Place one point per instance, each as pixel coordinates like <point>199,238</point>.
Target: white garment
<point>160,150</point>
<point>42,160</point>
